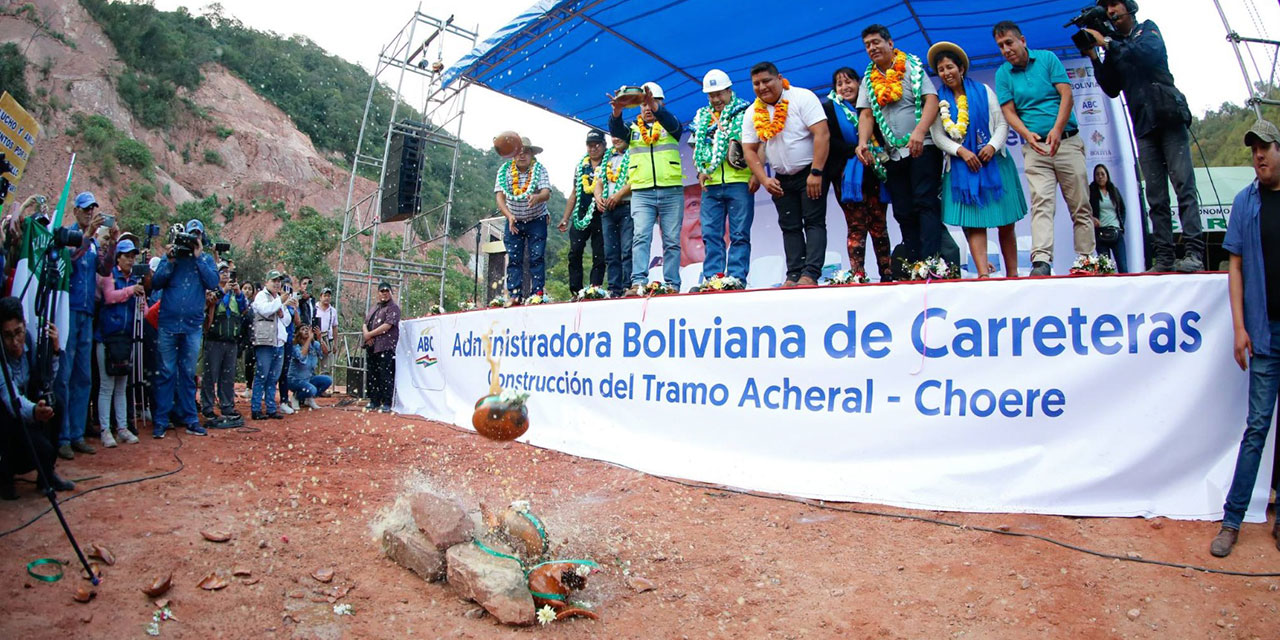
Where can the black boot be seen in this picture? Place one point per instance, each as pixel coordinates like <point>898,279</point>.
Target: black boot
<point>7,491</point>
<point>58,483</point>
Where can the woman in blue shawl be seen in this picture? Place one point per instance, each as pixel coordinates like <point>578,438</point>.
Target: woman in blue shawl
<point>857,188</point>
<point>981,188</point>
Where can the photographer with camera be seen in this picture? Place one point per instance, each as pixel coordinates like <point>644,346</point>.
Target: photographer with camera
<point>182,277</point>
<point>75,372</point>
<point>120,292</point>
<point>224,310</point>
<point>293,315</point>
<point>1136,62</point>
<point>272,321</point>
<point>28,415</point>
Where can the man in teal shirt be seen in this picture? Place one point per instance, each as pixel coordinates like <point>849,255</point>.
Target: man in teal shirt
<point>1035,95</point>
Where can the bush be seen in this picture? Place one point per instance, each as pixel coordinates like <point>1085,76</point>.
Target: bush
<point>139,208</point>
<point>132,153</point>
<point>13,66</point>
<point>149,99</point>
<point>223,132</point>
<point>212,157</point>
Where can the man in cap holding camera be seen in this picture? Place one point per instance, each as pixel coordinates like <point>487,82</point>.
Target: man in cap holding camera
<point>76,370</point>
<point>182,276</point>
<point>224,310</point>
<point>1136,62</point>
<point>657,183</point>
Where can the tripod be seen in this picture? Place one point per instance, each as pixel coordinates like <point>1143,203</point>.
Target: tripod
<point>138,378</point>
<point>46,306</point>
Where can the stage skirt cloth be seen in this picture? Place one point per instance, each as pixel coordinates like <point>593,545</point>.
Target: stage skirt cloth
<point>1008,209</point>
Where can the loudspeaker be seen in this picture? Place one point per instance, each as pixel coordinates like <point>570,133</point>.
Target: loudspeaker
<point>403,178</point>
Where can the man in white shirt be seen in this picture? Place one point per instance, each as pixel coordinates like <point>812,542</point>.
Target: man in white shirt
<point>269,314</point>
<point>792,127</point>
<point>326,321</point>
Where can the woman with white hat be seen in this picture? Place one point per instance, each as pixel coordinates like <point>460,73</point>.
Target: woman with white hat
<point>981,188</point>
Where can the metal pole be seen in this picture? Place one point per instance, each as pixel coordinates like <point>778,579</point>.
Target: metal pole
<point>1235,46</point>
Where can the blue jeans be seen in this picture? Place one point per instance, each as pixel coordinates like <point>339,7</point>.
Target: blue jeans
<point>1264,384</point>
<point>617,229</point>
<point>662,206</point>
<point>310,388</point>
<point>179,349</point>
<point>732,202</point>
<point>265,374</point>
<point>533,238</point>
<point>1165,155</point>
<point>75,378</point>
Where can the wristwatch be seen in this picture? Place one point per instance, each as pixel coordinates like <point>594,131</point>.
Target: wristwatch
<point>815,172</point>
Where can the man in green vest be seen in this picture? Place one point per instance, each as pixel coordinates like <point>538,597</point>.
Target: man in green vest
<point>726,180</point>
<point>657,184</point>
<point>224,310</point>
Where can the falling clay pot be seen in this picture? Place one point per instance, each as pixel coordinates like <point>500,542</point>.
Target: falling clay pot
<point>507,144</point>
<point>499,419</point>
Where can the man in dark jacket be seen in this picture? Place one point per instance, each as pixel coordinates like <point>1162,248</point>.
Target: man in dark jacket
<point>15,376</point>
<point>182,276</point>
<point>1136,62</point>
<point>224,311</point>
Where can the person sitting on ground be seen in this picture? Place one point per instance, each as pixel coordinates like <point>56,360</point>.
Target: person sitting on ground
<point>1108,217</point>
<point>1253,284</point>
<point>981,188</point>
<point>303,381</point>
<point>29,416</point>
<point>119,292</point>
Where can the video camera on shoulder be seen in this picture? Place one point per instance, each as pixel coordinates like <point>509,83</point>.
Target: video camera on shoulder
<point>1091,17</point>
<point>183,243</point>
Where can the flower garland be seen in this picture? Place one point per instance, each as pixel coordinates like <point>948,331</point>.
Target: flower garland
<point>1093,265</point>
<point>722,282</point>
<point>712,137</point>
<point>593,292</point>
<point>509,180</point>
<point>935,268</point>
<point>657,288</point>
<point>888,88</point>
<point>651,136</point>
<point>767,127</point>
<point>614,179</point>
<point>586,178</point>
<point>960,127</point>
<point>501,301</point>
<point>538,298</point>
<point>848,276</point>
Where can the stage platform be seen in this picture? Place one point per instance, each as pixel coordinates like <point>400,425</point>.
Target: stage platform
<point>1087,396</point>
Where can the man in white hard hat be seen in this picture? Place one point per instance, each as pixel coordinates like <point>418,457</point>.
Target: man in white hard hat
<point>657,184</point>
<point>726,180</point>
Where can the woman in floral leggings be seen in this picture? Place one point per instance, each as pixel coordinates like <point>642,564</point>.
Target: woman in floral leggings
<point>864,215</point>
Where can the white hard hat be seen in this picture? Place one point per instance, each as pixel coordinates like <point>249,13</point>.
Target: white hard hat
<point>715,80</point>
<point>655,90</point>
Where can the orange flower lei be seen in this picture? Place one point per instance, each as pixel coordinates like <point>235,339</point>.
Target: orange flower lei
<point>766,127</point>
<point>516,189</point>
<point>650,136</point>
<point>888,85</point>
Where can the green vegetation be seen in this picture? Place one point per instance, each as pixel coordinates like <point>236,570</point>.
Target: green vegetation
<point>132,153</point>
<point>149,100</point>
<point>1221,132</point>
<point>223,132</point>
<point>29,13</point>
<point>12,79</point>
<point>212,157</point>
<point>105,146</point>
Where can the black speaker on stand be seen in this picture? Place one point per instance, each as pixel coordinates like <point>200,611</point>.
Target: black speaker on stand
<point>403,179</point>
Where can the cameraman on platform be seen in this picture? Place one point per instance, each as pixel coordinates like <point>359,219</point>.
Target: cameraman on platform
<point>182,276</point>
<point>1136,62</point>
<point>20,363</point>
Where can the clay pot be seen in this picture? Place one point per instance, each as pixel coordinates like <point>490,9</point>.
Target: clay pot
<point>498,420</point>
<point>507,144</point>
<point>629,96</point>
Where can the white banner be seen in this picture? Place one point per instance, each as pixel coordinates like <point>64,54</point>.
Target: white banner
<point>1110,396</point>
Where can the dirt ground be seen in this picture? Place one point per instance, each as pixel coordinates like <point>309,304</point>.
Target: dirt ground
<point>308,492</point>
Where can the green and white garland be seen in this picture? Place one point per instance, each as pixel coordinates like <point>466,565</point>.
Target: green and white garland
<point>536,175</point>
<point>624,174</point>
<point>916,72</point>
<point>711,140</point>
<point>581,221</point>
<point>878,154</point>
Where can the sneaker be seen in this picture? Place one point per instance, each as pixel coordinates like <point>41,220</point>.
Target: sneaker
<point>209,414</point>
<point>1161,267</point>
<point>108,441</point>
<point>1041,269</point>
<point>196,430</point>
<point>372,406</point>
<point>80,446</point>
<point>286,409</point>
<point>65,452</point>
<point>157,431</point>
<point>258,415</point>
<point>275,416</point>
<point>1223,542</point>
<point>293,402</point>
<point>386,408</point>
<point>126,436</point>
<point>58,483</point>
<point>311,403</point>
<point>806,281</point>
<point>1189,263</point>
<point>632,292</point>
<point>231,413</point>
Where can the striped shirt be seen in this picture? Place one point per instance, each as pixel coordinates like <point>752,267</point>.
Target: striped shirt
<point>521,209</point>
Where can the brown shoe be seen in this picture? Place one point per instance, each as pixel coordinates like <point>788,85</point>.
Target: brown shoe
<point>788,284</point>
<point>632,292</point>
<point>806,281</point>
<point>1223,542</point>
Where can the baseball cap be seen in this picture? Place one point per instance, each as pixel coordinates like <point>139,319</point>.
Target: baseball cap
<point>595,136</point>
<point>655,89</point>
<point>1262,130</point>
<point>327,290</point>
<point>85,200</point>
<point>194,225</point>
<point>384,286</point>
<point>274,275</point>
<point>715,80</point>
<point>126,246</point>
<point>222,266</point>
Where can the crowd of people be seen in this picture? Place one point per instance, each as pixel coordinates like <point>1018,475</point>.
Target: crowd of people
<point>137,328</point>
<point>891,134</point>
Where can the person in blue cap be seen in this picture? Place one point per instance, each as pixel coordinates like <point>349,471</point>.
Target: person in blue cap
<point>75,371</point>
<point>182,278</point>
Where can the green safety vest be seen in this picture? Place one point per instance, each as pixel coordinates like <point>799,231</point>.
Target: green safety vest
<point>726,174</point>
<point>657,164</point>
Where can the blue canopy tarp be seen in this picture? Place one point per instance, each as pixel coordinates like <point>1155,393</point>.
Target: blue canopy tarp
<point>565,55</point>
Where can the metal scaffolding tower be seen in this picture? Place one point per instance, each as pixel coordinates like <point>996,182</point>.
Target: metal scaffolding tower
<point>1259,82</point>
<point>438,127</point>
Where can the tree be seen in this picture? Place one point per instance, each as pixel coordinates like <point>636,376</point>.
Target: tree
<point>1220,134</point>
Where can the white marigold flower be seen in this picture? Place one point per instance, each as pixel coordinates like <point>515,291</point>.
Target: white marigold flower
<point>546,615</point>
<point>582,570</point>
